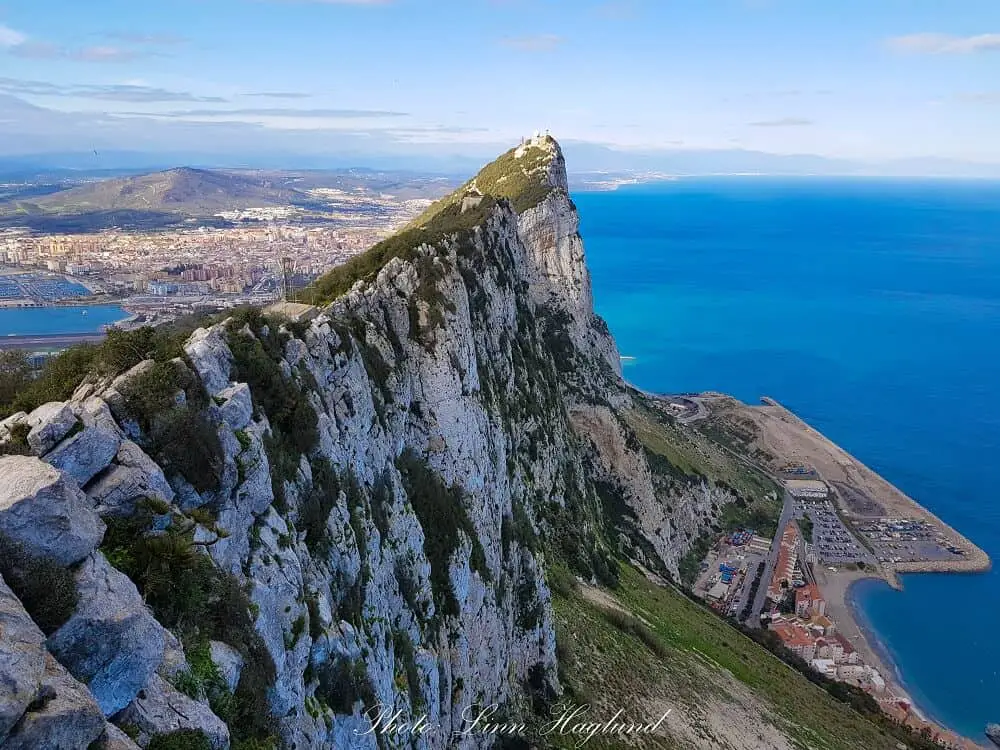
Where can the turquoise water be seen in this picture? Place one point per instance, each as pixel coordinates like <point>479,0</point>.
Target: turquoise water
<point>872,309</point>
<point>37,321</point>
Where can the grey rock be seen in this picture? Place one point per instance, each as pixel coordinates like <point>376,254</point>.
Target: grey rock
<point>114,739</point>
<point>48,515</point>
<point>50,423</point>
<point>209,353</point>
<point>22,659</point>
<point>161,709</point>
<point>112,642</point>
<point>133,476</point>
<point>238,407</point>
<point>64,716</point>
<point>86,453</point>
<point>229,661</point>
<point>13,419</point>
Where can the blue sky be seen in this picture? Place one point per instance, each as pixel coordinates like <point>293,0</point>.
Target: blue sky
<point>855,79</point>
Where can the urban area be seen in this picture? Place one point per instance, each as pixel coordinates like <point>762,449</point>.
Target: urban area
<point>795,584</point>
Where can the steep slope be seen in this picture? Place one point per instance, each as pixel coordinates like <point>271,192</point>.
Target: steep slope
<point>272,528</point>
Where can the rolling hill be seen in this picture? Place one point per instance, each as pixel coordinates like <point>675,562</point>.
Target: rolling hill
<point>193,192</point>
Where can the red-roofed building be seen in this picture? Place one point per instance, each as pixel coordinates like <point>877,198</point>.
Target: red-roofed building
<point>809,602</point>
<point>796,639</point>
<point>788,557</point>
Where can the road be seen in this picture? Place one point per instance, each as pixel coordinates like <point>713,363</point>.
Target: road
<point>56,341</point>
<point>787,511</point>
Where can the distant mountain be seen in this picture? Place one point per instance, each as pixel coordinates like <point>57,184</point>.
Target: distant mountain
<point>192,192</point>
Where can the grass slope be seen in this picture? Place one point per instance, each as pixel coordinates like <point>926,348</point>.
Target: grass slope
<point>651,649</point>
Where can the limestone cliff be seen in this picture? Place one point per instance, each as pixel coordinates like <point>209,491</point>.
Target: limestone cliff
<point>279,525</point>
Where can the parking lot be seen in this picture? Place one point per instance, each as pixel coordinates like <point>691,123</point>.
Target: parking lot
<point>905,540</point>
<point>832,542</point>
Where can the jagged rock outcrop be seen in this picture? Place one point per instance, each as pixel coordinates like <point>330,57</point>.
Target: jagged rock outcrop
<point>63,715</point>
<point>114,739</point>
<point>22,660</point>
<point>112,642</point>
<point>45,512</point>
<point>133,476</point>
<point>50,423</point>
<point>369,496</point>
<point>162,709</point>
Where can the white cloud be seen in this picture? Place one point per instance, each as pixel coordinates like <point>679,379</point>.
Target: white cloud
<point>533,43</point>
<point>945,44</point>
<point>11,38</point>
<point>784,122</point>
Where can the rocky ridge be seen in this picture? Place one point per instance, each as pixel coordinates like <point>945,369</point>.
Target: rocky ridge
<point>370,498</point>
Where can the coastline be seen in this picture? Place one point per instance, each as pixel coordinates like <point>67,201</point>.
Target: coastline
<point>782,439</point>
<point>975,560</point>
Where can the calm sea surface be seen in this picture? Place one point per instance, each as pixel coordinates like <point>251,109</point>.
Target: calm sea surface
<point>36,321</point>
<point>872,309</point>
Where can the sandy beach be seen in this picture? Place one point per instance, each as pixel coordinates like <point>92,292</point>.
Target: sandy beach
<point>841,608</point>
<point>778,438</point>
<point>836,591</point>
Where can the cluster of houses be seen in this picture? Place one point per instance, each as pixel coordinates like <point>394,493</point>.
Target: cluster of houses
<point>806,630</point>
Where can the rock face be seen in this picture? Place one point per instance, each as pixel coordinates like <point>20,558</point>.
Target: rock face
<point>22,660</point>
<point>383,475</point>
<point>228,661</point>
<point>85,454</point>
<point>50,423</point>
<point>45,513</point>
<point>64,715</point>
<point>132,477</point>
<point>112,642</point>
<point>161,709</point>
<point>993,732</point>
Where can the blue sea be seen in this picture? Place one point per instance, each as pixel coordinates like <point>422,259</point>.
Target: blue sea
<point>37,321</point>
<point>872,309</point>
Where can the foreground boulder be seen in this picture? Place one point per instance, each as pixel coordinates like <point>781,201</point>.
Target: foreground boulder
<point>86,453</point>
<point>50,423</point>
<point>112,642</point>
<point>63,715</point>
<point>22,659</point>
<point>44,513</point>
<point>114,739</point>
<point>133,476</point>
<point>161,709</point>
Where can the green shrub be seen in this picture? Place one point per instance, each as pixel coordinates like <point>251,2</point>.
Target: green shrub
<point>182,739</point>
<point>402,647</point>
<point>46,589</point>
<point>342,683</point>
<point>317,504</point>
<point>199,602</point>
<point>15,376</point>
<point>57,380</point>
<point>255,361</point>
<point>443,517</point>
<point>446,221</point>
<point>189,444</point>
<point>17,441</point>
<point>182,438</point>
<point>630,624</point>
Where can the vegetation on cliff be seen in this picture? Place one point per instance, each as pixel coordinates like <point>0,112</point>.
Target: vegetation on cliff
<point>522,180</point>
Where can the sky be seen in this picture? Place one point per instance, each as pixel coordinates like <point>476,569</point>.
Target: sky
<point>869,80</point>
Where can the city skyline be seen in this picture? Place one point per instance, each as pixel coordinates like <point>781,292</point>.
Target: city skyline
<point>405,78</point>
